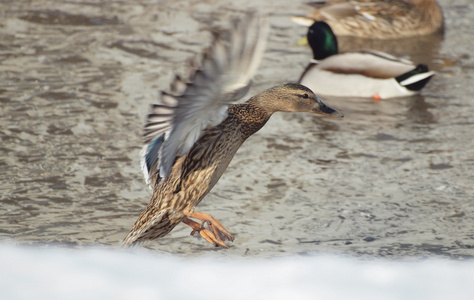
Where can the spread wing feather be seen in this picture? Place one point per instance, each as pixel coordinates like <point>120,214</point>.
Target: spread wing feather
<point>174,125</point>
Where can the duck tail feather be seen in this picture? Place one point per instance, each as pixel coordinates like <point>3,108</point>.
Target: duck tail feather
<point>415,79</point>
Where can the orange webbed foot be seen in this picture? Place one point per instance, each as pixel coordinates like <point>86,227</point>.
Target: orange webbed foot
<point>217,233</point>
<point>376,97</point>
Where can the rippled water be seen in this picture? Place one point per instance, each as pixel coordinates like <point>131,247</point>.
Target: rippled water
<point>391,179</point>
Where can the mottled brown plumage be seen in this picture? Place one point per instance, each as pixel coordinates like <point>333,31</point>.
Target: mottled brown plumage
<point>193,134</point>
<point>379,19</point>
<point>195,174</point>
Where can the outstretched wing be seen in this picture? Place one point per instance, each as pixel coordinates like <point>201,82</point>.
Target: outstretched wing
<point>223,77</point>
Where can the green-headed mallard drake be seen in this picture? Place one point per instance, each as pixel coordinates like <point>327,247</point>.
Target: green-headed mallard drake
<point>192,137</point>
<point>378,19</point>
<point>366,74</point>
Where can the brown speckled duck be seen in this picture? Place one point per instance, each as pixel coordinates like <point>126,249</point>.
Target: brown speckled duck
<point>378,19</point>
<point>191,138</point>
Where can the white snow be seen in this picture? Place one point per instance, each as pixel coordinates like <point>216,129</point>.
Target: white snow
<point>99,273</point>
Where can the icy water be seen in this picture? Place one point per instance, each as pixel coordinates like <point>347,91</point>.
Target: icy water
<point>391,179</point>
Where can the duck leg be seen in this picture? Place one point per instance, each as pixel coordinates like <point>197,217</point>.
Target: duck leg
<point>205,233</point>
<point>217,233</point>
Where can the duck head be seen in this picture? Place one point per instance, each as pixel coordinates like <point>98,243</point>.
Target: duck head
<point>293,97</point>
<point>322,40</point>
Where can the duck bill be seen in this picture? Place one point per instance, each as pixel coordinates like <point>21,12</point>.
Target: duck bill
<point>323,109</point>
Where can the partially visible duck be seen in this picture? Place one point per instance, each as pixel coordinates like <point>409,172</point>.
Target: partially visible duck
<point>378,19</point>
<point>193,134</point>
<point>366,74</point>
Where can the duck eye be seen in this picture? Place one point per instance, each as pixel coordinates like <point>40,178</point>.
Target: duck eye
<point>305,96</point>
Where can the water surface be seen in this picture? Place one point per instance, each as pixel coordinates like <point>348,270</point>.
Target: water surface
<point>392,179</point>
